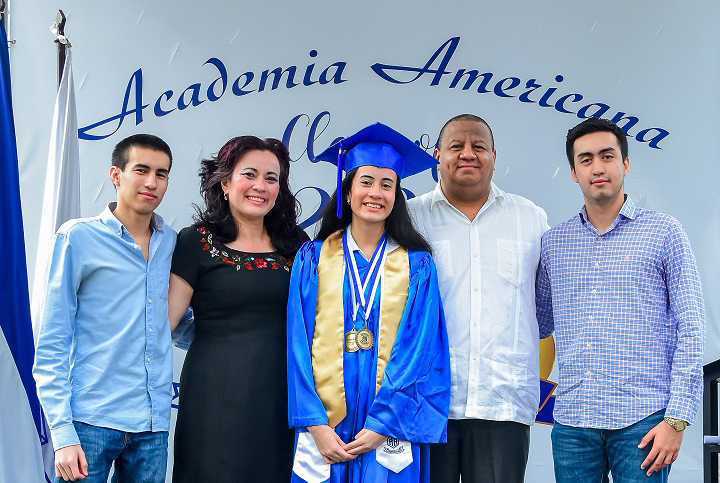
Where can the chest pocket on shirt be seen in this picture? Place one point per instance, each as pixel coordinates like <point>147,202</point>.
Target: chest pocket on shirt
<point>442,254</point>
<point>512,258</point>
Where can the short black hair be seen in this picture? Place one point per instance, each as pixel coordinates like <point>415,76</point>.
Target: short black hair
<point>466,117</point>
<point>592,125</point>
<point>148,141</point>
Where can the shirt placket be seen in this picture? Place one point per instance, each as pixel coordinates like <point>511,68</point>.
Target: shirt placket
<point>475,311</point>
<point>150,329</point>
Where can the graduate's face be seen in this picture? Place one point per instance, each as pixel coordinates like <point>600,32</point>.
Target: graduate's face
<point>142,184</point>
<point>254,185</point>
<point>372,194</point>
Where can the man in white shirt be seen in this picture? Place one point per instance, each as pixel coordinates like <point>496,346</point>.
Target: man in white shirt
<point>486,245</point>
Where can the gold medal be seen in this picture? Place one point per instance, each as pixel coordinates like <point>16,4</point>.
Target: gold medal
<point>365,339</point>
<point>351,342</point>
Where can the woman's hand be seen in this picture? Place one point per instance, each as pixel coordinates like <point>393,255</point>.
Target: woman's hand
<point>366,440</point>
<point>329,444</point>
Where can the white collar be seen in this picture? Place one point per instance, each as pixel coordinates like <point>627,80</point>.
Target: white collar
<point>438,195</point>
<point>353,246</point>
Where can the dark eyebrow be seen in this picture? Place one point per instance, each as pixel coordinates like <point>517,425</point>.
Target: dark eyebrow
<point>367,176</point>
<point>145,166</point>
<point>602,151</point>
<point>389,179</point>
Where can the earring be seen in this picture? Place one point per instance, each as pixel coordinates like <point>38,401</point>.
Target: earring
<point>225,196</point>
<point>348,201</point>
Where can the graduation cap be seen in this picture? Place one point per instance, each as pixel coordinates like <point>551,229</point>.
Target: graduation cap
<point>380,146</point>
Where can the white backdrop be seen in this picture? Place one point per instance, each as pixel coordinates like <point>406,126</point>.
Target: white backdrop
<point>655,61</point>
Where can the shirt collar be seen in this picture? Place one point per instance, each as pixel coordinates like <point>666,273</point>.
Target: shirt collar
<point>353,246</point>
<point>628,210</point>
<point>111,221</point>
<point>438,195</point>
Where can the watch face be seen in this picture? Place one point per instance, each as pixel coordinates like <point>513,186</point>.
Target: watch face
<point>680,425</point>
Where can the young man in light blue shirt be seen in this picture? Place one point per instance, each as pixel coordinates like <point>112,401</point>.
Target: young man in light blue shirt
<point>103,362</point>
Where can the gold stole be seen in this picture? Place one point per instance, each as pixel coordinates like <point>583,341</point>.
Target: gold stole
<point>329,339</point>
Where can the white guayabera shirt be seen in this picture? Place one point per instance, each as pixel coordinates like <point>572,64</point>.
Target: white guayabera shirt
<point>486,269</point>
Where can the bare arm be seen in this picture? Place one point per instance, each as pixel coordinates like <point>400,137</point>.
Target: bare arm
<point>179,295</point>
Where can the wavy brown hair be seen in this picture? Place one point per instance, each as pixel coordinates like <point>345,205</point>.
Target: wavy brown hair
<point>280,222</point>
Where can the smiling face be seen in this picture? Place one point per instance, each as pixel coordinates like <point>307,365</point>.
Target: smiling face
<point>372,194</point>
<point>253,186</point>
<point>599,168</point>
<point>142,184</point>
<point>467,158</point>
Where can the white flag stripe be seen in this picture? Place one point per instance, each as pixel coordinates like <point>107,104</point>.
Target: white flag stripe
<point>61,198</point>
<point>61,202</point>
<point>20,460</point>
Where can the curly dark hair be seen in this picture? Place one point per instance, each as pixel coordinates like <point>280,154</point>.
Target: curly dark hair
<point>398,225</point>
<point>280,222</point>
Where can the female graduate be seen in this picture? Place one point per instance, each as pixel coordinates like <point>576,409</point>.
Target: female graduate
<point>368,360</point>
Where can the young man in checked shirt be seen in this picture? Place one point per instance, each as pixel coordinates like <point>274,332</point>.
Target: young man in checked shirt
<point>620,287</point>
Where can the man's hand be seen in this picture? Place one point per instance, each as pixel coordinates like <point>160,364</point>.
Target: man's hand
<point>70,463</point>
<point>329,444</point>
<point>366,440</point>
<point>665,447</point>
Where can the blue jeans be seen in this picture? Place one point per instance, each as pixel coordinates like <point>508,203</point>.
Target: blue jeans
<point>138,457</point>
<point>587,455</point>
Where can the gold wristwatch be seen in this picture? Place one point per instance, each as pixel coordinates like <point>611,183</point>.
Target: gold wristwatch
<point>677,424</point>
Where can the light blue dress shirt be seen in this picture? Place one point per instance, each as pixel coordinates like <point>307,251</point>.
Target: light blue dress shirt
<point>627,309</point>
<point>103,353</point>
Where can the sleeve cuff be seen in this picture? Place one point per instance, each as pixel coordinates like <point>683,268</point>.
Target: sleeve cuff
<point>677,412</point>
<point>64,435</point>
<point>374,425</point>
<point>299,422</point>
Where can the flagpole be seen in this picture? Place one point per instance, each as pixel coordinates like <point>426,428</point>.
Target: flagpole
<point>5,19</point>
<point>60,21</point>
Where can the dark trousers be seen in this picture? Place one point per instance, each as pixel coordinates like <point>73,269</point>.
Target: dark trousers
<point>481,451</point>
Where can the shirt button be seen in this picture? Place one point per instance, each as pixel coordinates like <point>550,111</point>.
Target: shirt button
<point>594,291</point>
<point>137,247</point>
<point>588,373</point>
<point>591,317</point>
<point>150,329</point>
<point>150,387</point>
<point>475,289</point>
<point>149,301</point>
<point>148,359</point>
<point>597,264</point>
<point>589,345</point>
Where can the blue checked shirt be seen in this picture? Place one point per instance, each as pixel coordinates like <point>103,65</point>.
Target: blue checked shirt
<point>103,353</point>
<point>627,310</point>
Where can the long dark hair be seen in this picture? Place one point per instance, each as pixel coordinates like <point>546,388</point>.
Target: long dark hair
<point>398,225</point>
<point>280,222</point>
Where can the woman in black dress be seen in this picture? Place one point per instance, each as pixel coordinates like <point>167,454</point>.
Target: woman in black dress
<point>233,267</point>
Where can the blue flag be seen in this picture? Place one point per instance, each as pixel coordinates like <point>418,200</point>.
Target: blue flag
<point>21,425</point>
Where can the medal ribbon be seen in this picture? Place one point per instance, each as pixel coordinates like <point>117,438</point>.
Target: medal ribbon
<point>372,278</point>
<point>328,338</point>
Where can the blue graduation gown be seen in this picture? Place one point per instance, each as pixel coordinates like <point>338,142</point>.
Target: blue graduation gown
<point>413,400</point>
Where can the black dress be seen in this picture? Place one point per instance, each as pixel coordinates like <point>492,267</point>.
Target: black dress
<point>232,423</point>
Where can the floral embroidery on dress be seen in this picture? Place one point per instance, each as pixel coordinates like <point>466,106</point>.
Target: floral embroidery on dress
<point>243,259</point>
